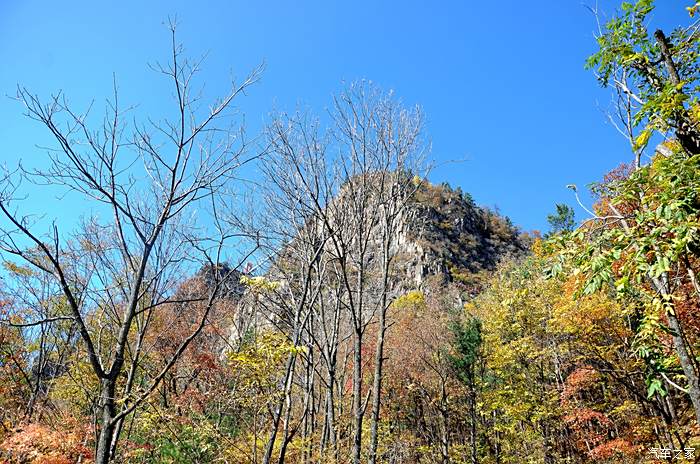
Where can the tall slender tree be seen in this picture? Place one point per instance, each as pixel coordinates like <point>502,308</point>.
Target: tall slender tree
<point>148,179</point>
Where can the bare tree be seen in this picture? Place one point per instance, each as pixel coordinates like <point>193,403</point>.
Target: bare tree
<point>353,201</point>
<point>33,297</point>
<point>380,130</point>
<point>164,186</point>
<point>296,240</point>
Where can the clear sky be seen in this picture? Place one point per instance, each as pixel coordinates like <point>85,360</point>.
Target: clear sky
<point>502,83</point>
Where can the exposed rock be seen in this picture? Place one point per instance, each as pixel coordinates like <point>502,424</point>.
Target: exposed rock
<point>443,233</point>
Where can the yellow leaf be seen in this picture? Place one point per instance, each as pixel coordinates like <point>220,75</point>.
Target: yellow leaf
<point>642,139</point>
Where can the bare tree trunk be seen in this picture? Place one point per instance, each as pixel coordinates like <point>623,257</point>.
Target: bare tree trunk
<point>377,387</point>
<point>130,378</point>
<point>472,435</point>
<point>309,423</point>
<point>444,424</point>
<point>289,372</point>
<point>109,411</point>
<point>287,418</point>
<point>381,331</point>
<point>330,409</point>
<point>686,130</point>
<point>686,362</point>
<point>357,409</point>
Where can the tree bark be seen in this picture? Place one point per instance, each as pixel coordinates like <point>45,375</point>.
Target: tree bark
<point>109,411</point>
<point>472,419</point>
<point>687,362</point>
<point>379,354</point>
<point>357,409</point>
<point>686,132</point>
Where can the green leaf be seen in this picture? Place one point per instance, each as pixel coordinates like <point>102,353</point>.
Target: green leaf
<point>655,386</point>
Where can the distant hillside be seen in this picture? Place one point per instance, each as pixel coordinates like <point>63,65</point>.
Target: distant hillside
<point>444,233</point>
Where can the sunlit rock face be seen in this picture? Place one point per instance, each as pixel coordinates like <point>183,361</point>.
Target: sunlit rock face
<point>443,233</point>
<point>440,235</point>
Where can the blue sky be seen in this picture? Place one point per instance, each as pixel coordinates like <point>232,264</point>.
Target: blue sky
<point>502,83</point>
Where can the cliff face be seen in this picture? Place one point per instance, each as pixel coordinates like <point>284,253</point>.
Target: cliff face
<point>443,233</point>
<point>440,234</point>
<point>440,237</point>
